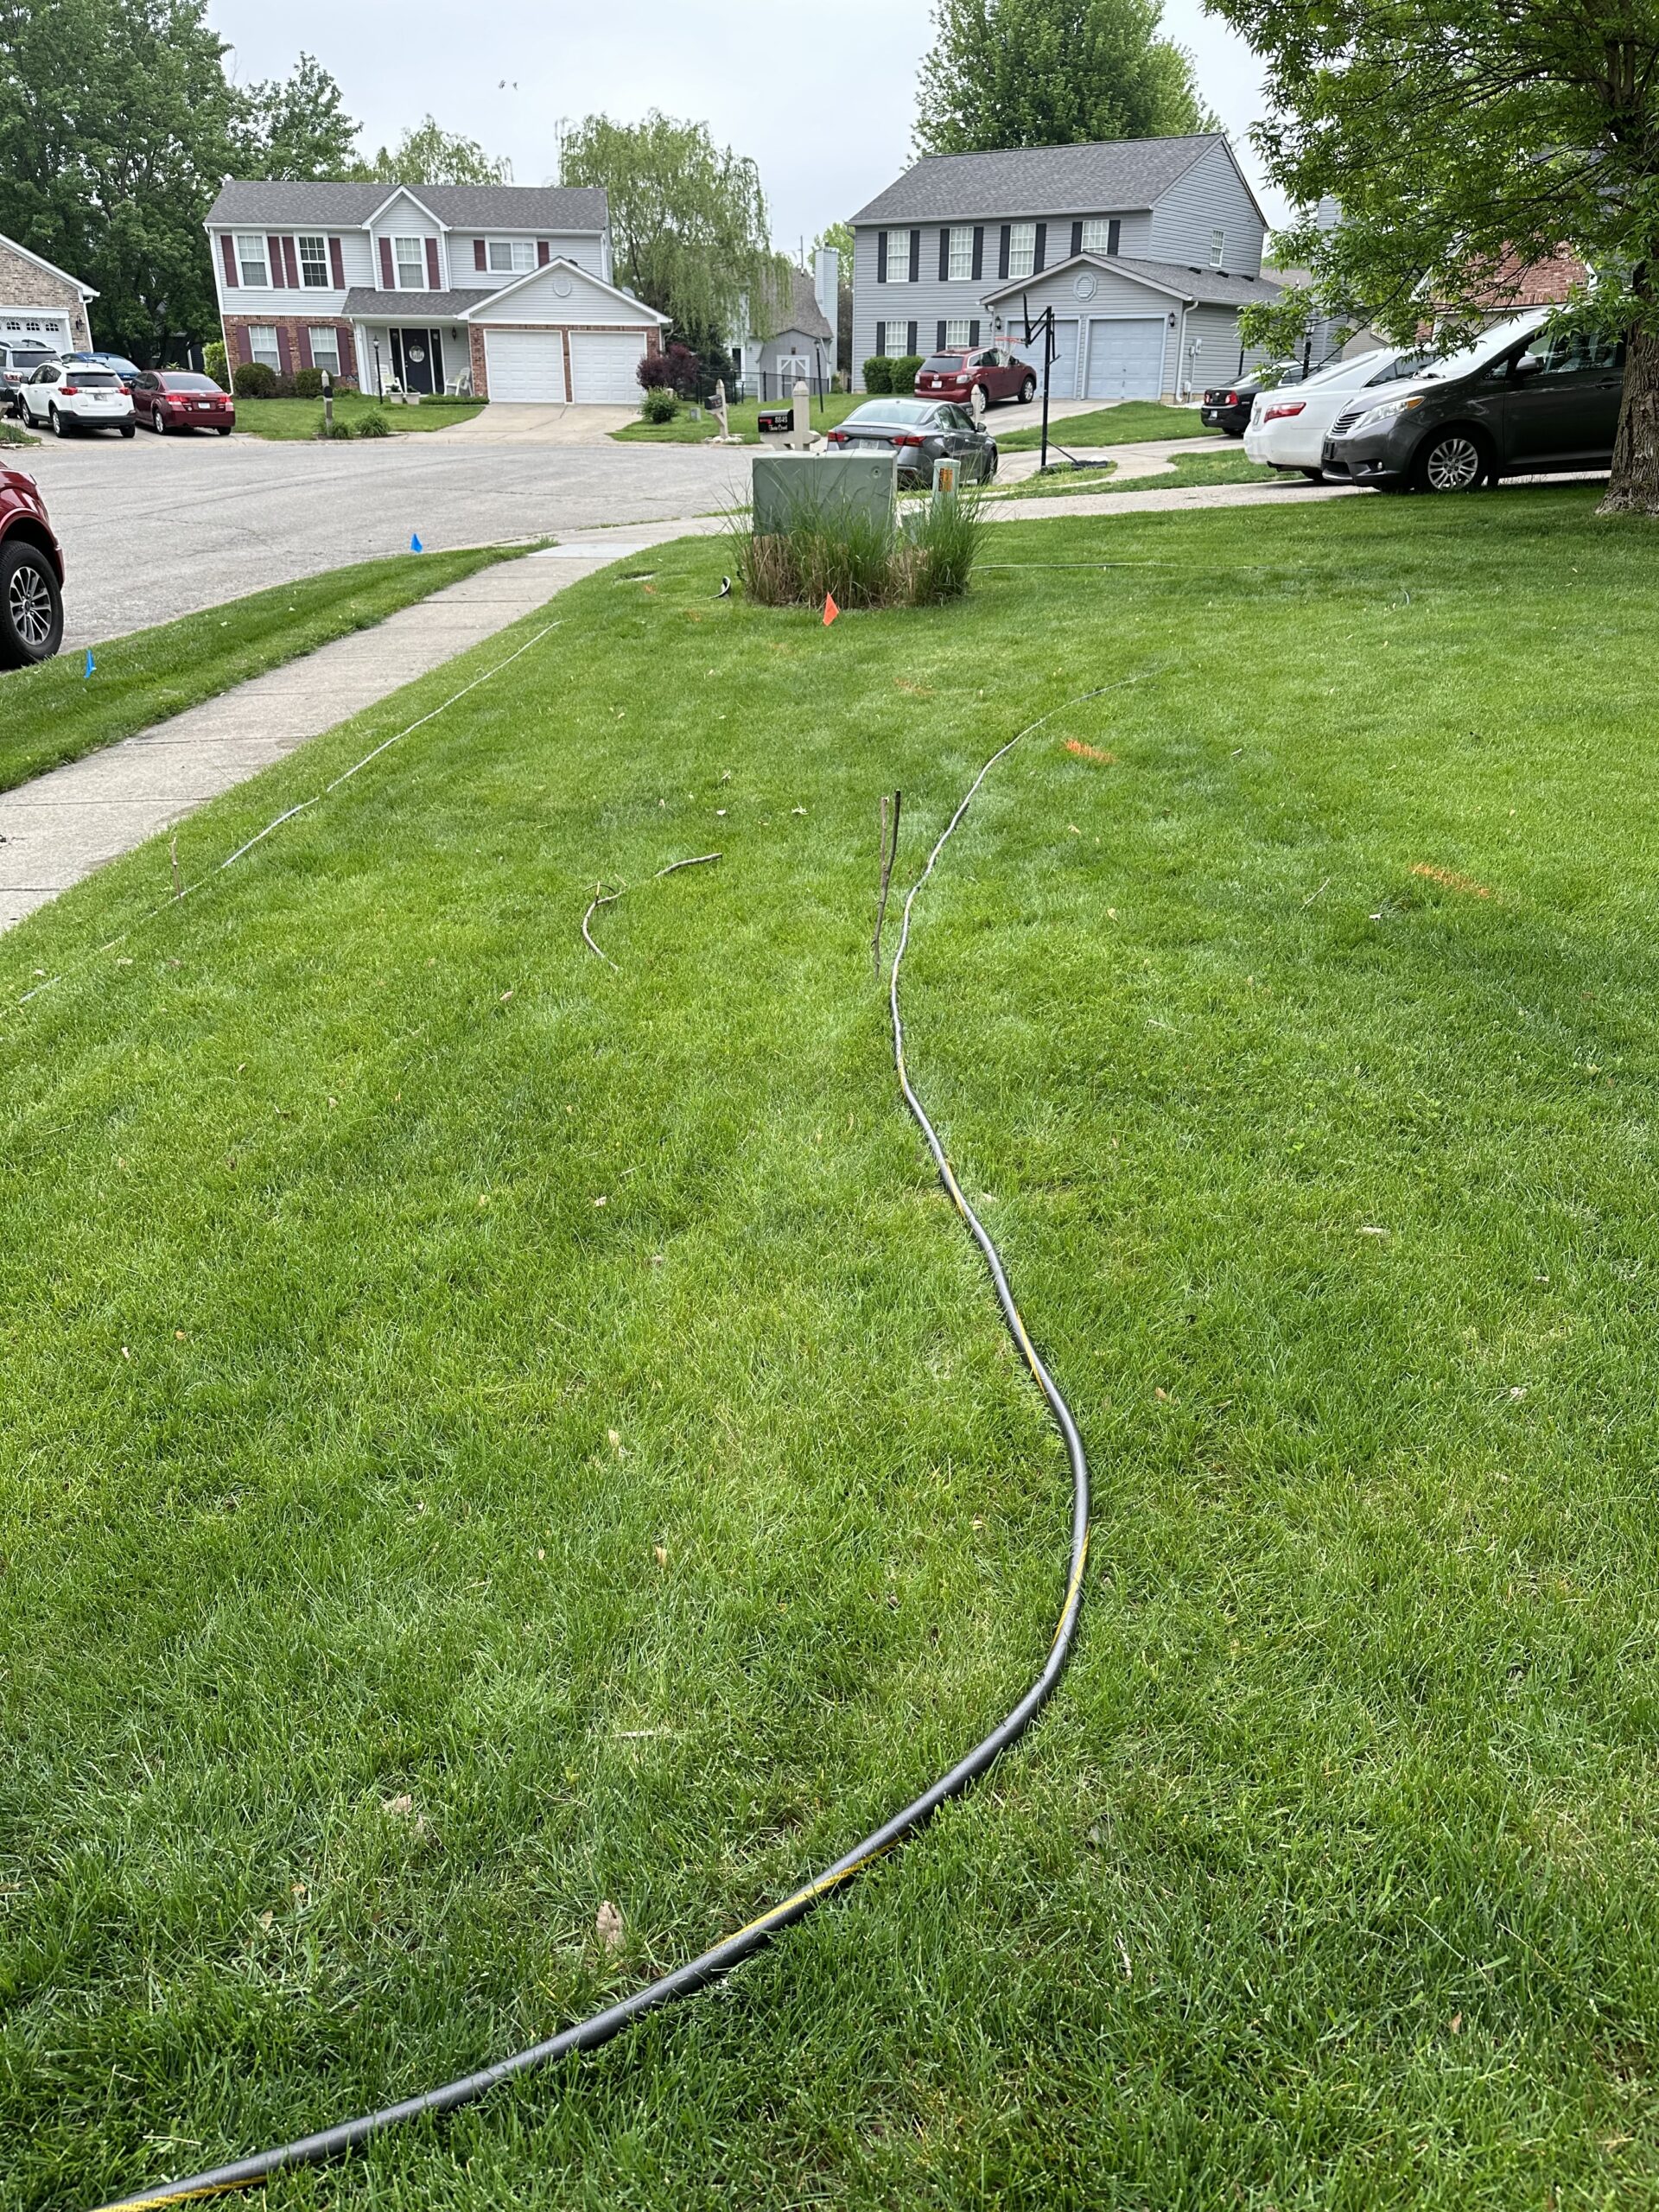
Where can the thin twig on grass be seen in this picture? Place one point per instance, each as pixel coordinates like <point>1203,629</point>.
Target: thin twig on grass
<point>889,854</point>
<point>604,898</point>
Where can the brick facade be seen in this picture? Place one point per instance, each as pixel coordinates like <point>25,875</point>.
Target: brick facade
<point>293,339</point>
<point>24,283</point>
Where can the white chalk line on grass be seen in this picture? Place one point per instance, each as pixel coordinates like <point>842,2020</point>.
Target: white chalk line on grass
<point>287,814</point>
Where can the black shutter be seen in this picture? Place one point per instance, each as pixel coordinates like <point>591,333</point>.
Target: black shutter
<point>945,255</point>
<point>1112,230</point>
<point>1041,252</point>
<point>910,331</point>
<point>880,256</point>
<point>939,345</point>
<point>973,331</point>
<point>1076,236</point>
<point>915,257</point>
<point>1002,253</point>
<point>979,251</point>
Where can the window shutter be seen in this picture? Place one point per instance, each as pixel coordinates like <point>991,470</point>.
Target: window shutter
<point>1112,230</point>
<point>274,251</point>
<point>227,246</point>
<point>910,331</point>
<point>1040,253</point>
<point>1002,252</point>
<point>480,259</point>
<point>880,256</point>
<point>1076,236</point>
<point>290,264</point>
<point>348,358</point>
<point>915,261</point>
<point>240,350</point>
<point>306,362</point>
<point>973,331</point>
<point>431,264</point>
<point>337,264</point>
<point>944,259</point>
<point>938,343</point>
<point>387,281</point>
<point>979,251</point>
<point>544,253</point>
<point>284,350</point>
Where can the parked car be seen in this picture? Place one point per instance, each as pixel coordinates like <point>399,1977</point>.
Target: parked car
<point>17,362</point>
<point>1286,428</point>
<point>920,432</point>
<point>67,395</point>
<point>126,370</point>
<point>1517,403</point>
<point>31,574</point>
<point>178,399</point>
<point>1227,406</point>
<point>975,377</point>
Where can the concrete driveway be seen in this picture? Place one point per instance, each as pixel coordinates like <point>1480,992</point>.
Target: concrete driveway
<point>519,423</point>
<point>153,528</point>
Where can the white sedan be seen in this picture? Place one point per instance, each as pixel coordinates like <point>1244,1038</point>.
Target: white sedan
<point>66,396</point>
<point>1287,428</point>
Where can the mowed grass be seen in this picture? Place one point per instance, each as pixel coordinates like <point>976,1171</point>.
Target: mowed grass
<point>56,712</point>
<point>1131,422</point>
<point>1186,470</point>
<point>405,1553</point>
<point>302,418</point>
<point>689,430</point>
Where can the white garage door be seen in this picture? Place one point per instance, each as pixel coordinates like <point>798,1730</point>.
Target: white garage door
<point>1062,377</point>
<point>527,365</point>
<point>602,364</point>
<point>1126,358</point>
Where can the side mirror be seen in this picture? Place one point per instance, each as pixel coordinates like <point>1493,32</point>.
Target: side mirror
<point>1530,364</point>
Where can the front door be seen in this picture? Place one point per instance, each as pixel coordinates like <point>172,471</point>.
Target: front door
<point>418,356</point>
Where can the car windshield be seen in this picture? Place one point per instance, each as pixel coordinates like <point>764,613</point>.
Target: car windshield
<point>893,410</point>
<point>1485,348</point>
<point>171,383</point>
<point>942,364</point>
<point>29,357</point>
<point>91,379</point>
<point>120,363</point>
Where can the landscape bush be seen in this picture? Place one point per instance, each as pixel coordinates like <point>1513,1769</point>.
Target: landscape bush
<point>661,405</point>
<point>906,370</point>
<point>254,380</point>
<point>677,370</point>
<point>839,552</point>
<point>877,373</point>
<point>308,383</point>
<point>374,425</point>
<point>214,364</point>
<point>336,431</point>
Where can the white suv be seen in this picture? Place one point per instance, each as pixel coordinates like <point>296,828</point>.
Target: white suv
<point>65,396</point>
<point>1287,428</point>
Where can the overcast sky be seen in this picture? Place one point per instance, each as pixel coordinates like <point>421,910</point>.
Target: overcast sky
<point>826,111</point>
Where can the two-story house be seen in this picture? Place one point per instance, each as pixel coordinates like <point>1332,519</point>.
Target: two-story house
<point>1144,248</point>
<point>505,289</point>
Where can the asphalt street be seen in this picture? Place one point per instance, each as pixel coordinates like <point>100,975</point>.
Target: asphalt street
<point>153,528</point>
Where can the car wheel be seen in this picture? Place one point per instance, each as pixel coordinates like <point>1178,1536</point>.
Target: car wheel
<point>1028,392</point>
<point>31,605</point>
<point>1451,460</point>
<point>127,430</point>
<point>60,429</point>
<point>1315,475</point>
<point>988,466</point>
<point>158,422</point>
<point>223,434</point>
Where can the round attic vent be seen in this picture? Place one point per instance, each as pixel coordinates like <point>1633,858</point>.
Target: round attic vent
<point>562,286</point>
<point>1085,286</point>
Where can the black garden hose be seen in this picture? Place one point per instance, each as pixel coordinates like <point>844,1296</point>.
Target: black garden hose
<point>587,2035</point>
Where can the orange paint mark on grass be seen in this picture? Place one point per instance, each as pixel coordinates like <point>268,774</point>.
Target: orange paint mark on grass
<point>1091,753</point>
<point>1450,880</point>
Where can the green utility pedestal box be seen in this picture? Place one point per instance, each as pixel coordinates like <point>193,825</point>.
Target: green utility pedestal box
<point>795,488</point>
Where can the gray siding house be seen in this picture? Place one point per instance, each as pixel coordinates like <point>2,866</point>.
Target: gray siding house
<point>1144,248</point>
<point>803,342</point>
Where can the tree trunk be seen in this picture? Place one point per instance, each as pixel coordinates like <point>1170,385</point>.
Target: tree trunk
<point>1633,486</point>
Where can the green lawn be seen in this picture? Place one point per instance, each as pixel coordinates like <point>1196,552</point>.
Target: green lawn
<point>302,418</point>
<point>743,415</point>
<point>56,713</point>
<point>14,434</point>
<point>1132,422</point>
<point>404,1554</point>
<point>1186,470</point>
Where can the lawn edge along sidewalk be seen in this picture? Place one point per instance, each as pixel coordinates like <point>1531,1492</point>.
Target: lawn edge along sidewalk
<point>56,830</point>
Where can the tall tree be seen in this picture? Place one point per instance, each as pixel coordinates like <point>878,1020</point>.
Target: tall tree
<point>116,126</point>
<point>1053,72</point>
<point>296,127</point>
<point>688,219</point>
<point>1463,140</point>
<point>430,154</point>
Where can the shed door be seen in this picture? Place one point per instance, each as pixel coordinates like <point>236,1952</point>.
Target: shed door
<point>1126,358</point>
<point>1062,377</point>
<point>602,365</point>
<point>527,365</point>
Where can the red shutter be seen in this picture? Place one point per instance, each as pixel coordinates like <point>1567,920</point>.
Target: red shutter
<point>238,336</point>
<point>544,253</point>
<point>337,264</point>
<point>479,260</point>
<point>388,283</point>
<point>290,264</point>
<point>227,247</point>
<point>284,350</point>
<point>347,358</point>
<point>306,362</point>
<point>274,248</point>
<point>432,264</point>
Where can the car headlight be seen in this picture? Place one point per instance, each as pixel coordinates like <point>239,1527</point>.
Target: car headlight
<point>1386,413</point>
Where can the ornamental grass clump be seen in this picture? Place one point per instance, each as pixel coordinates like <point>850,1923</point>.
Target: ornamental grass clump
<point>860,561</point>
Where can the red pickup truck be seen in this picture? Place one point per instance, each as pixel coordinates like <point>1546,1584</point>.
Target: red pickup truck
<point>31,574</point>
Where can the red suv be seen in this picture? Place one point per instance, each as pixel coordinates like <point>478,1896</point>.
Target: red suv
<point>976,376</point>
<point>31,574</point>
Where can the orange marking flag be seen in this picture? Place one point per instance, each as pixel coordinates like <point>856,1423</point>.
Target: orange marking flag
<point>1449,877</point>
<point>830,610</point>
<point>1089,752</point>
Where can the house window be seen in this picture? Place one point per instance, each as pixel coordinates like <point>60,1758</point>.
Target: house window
<point>961,262</point>
<point>956,336</point>
<point>897,257</point>
<point>1217,248</point>
<point>314,262</point>
<point>511,256</point>
<point>251,260</point>
<point>325,348</point>
<point>1022,249</point>
<point>262,344</point>
<point>1098,234</point>
<point>410,255</point>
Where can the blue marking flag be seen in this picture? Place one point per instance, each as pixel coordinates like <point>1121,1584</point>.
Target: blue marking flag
<point>415,546</point>
<point>90,662</point>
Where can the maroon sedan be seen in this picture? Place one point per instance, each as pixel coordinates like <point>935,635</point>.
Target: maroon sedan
<point>975,377</point>
<point>31,574</point>
<point>175,399</point>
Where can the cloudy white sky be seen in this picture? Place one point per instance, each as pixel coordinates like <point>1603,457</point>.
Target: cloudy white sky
<point>826,112</point>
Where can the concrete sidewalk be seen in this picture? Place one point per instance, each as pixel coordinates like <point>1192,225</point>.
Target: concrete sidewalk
<point>58,828</point>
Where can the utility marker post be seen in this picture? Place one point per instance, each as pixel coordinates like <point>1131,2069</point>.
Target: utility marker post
<point>327,405</point>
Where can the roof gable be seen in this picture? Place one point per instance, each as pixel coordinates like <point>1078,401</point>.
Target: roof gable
<point>582,294</point>
<point>50,267</point>
<point>1198,287</point>
<point>1121,173</point>
<point>404,191</point>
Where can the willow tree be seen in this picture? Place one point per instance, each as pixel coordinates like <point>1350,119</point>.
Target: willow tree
<point>1462,141</point>
<point>689,221</point>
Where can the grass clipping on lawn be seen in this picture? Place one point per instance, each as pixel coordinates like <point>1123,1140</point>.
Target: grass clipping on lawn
<point>835,552</point>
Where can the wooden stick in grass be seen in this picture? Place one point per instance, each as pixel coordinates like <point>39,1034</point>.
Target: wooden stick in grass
<point>889,854</point>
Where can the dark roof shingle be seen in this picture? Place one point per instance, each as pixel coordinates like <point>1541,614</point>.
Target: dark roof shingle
<point>1124,173</point>
<point>462,206</point>
<point>803,313</point>
<point>406,307</point>
<point>1203,287</point>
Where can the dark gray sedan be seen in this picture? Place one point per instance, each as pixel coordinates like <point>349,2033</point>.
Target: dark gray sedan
<point>920,432</point>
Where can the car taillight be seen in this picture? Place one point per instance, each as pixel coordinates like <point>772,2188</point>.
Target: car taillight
<point>837,437</point>
<point>909,439</point>
<point>1232,400</point>
<point>69,391</point>
<point>1288,407</point>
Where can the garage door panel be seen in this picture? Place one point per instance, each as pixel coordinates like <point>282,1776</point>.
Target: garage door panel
<point>603,364</point>
<point>1126,358</point>
<point>526,367</point>
<point>1062,377</point>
